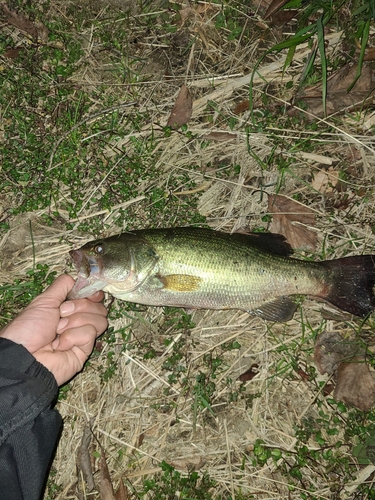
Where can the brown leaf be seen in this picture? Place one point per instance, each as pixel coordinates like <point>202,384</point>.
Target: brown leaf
<point>286,213</point>
<point>141,438</point>
<point>325,181</point>
<point>84,458</point>
<point>328,389</point>
<point>331,350</point>
<point>241,107</point>
<point>338,98</point>
<point>99,345</point>
<point>19,21</point>
<point>283,17</point>
<point>189,463</point>
<point>122,491</point>
<point>106,487</point>
<point>13,53</point>
<point>274,7</point>
<point>370,54</point>
<point>221,137</point>
<point>249,374</point>
<point>261,5</point>
<point>355,385</point>
<point>182,109</point>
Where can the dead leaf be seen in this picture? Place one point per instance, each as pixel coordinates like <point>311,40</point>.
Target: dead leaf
<point>328,389</point>
<point>19,21</point>
<point>370,121</point>
<point>355,385</point>
<point>353,154</point>
<point>182,109</point>
<point>84,457</point>
<point>221,137</point>
<point>338,98</point>
<point>313,157</point>
<point>286,213</point>
<point>13,53</point>
<point>189,463</point>
<point>274,7</point>
<point>370,54</point>
<point>325,181</point>
<point>345,359</point>
<point>106,487</point>
<point>261,5</point>
<point>241,107</point>
<point>305,377</point>
<point>283,17</point>
<point>122,492</point>
<point>249,374</point>
<point>141,438</point>
<point>331,350</point>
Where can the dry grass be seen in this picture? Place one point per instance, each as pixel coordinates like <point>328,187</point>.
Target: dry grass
<point>138,416</point>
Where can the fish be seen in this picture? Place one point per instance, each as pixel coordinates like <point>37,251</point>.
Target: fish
<point>198,268</point>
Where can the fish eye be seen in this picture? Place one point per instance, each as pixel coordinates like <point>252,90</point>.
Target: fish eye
<point>99,249</point>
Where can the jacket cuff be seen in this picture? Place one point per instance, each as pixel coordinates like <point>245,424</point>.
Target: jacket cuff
<point>26,387</point>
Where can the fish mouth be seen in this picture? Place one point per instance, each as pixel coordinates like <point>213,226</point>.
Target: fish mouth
<point>77,257</point>
<point>89,279</point>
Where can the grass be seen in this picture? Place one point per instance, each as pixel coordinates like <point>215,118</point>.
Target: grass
<point>85,152</point>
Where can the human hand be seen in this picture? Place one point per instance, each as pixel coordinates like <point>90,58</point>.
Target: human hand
<point>60,334</point>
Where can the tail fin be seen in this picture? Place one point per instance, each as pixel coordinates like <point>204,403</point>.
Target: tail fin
<point>352,282</point>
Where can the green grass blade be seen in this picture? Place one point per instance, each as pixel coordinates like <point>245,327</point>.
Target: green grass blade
<point>289,57</point>
<point>291,43</point>
<point>365,35</point>
<point>322,50</point>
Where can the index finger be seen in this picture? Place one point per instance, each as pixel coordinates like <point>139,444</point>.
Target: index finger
<point>56,293</point>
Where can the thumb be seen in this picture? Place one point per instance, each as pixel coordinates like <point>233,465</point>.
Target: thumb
<point>55,294</point>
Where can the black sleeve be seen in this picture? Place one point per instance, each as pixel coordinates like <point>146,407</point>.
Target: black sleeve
<point>29,426</point>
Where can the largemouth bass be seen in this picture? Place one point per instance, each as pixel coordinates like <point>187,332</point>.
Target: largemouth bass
<point>200,268</point>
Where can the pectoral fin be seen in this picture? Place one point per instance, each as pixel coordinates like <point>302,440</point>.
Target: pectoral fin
<point>180,282</point>
<point>280,309</point>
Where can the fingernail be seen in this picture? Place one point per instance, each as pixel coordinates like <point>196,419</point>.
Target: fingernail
<point>67,307</point>
<point>55,343</point>
<point>62,324</point>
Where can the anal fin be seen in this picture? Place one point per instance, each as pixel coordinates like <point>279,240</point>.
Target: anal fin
<point>280,309</point>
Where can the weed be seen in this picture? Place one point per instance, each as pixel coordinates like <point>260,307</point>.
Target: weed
<point>52,488</point>
<point>16,296</point>
<point>116,342</point>
<point>176,362</point>
<point>64,392</point>
<point>171,483</point>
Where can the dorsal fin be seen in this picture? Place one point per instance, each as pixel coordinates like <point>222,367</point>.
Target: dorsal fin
<point>268,242</point>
